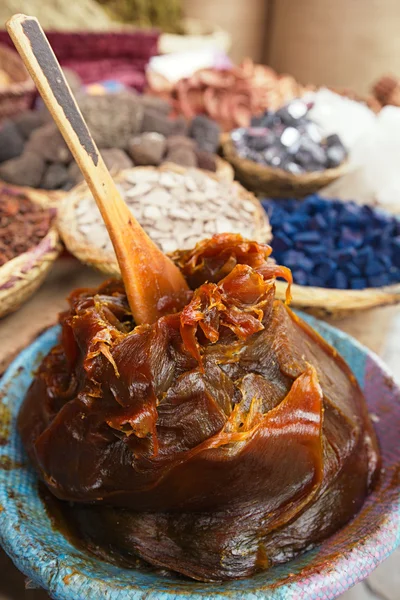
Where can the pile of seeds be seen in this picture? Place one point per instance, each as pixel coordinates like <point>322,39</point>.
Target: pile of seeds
<point>177,209</point>
<point>23,225</point>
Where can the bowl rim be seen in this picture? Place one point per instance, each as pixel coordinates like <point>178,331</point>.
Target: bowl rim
<point>23,547</point>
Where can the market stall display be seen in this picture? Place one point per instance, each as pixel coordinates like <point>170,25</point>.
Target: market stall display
<point>171,393</point>
<point>29,244</point>
<point>187,336</point>
<point>177,207</point>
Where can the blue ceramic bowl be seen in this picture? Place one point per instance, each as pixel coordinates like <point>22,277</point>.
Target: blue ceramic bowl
<point>45,556</point>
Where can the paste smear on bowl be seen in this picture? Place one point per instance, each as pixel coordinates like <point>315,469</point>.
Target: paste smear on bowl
<point>222,439</point>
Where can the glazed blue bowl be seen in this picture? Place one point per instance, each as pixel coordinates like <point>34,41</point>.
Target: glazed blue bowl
<point>52,562</point>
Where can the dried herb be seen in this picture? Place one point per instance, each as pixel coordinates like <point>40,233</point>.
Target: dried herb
<point>23,225</point>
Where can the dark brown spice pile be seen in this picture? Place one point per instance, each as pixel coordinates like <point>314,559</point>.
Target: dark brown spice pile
<point>23,225</point>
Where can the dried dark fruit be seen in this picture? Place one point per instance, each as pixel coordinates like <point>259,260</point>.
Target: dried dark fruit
<point>11,141</point>
<point>183,156</point>
<point>48,143</point>
<point>27,169</point>
<point>147,148</point>
<point>29,120</point>
<point>206,160</point>
<point>116,159</point>
<point>112,118</point>
<point>206,133</point>
<point>56,175</point>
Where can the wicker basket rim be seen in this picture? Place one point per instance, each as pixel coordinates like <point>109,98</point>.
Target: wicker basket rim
<point>26,282</point>
<point>336,299</point>
<point>16,263</point>
<point>257,169</point>
<point>180,170</point>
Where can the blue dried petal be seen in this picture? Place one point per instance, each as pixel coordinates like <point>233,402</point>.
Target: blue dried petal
<point>358,283</point>
<point>379,280</point>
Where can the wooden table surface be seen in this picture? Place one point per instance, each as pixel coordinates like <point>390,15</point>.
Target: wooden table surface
<point>379,329</point>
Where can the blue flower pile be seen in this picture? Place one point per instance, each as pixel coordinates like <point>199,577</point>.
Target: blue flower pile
<point>334,244</point>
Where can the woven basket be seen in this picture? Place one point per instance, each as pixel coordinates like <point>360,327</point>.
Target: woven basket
<point>21,276</point>
<point>105,261</point>
<point>326,302</point>
<point>19,95</point>
<point>46,198</point>
<point>270,181</point>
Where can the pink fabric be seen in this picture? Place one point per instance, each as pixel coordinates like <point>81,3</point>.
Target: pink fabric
<point>96,56</point>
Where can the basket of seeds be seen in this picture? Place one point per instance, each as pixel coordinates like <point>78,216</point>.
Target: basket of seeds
<point>284,153</point>
<point>177,207</point>
<point>29,244</point>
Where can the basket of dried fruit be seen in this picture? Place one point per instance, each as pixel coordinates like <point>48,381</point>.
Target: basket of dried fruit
<point>177,207</point>
<point>344,256</point>
<point>284,153</point>
<point>29,244</point>
<point>16,86</point>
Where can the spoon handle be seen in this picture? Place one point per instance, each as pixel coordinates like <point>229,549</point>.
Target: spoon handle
<point>147,273</point>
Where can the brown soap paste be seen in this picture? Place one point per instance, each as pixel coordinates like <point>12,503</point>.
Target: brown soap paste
<point>222,439</point>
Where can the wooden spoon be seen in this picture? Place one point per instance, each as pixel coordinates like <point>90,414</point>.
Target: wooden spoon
<point>147,273</point>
